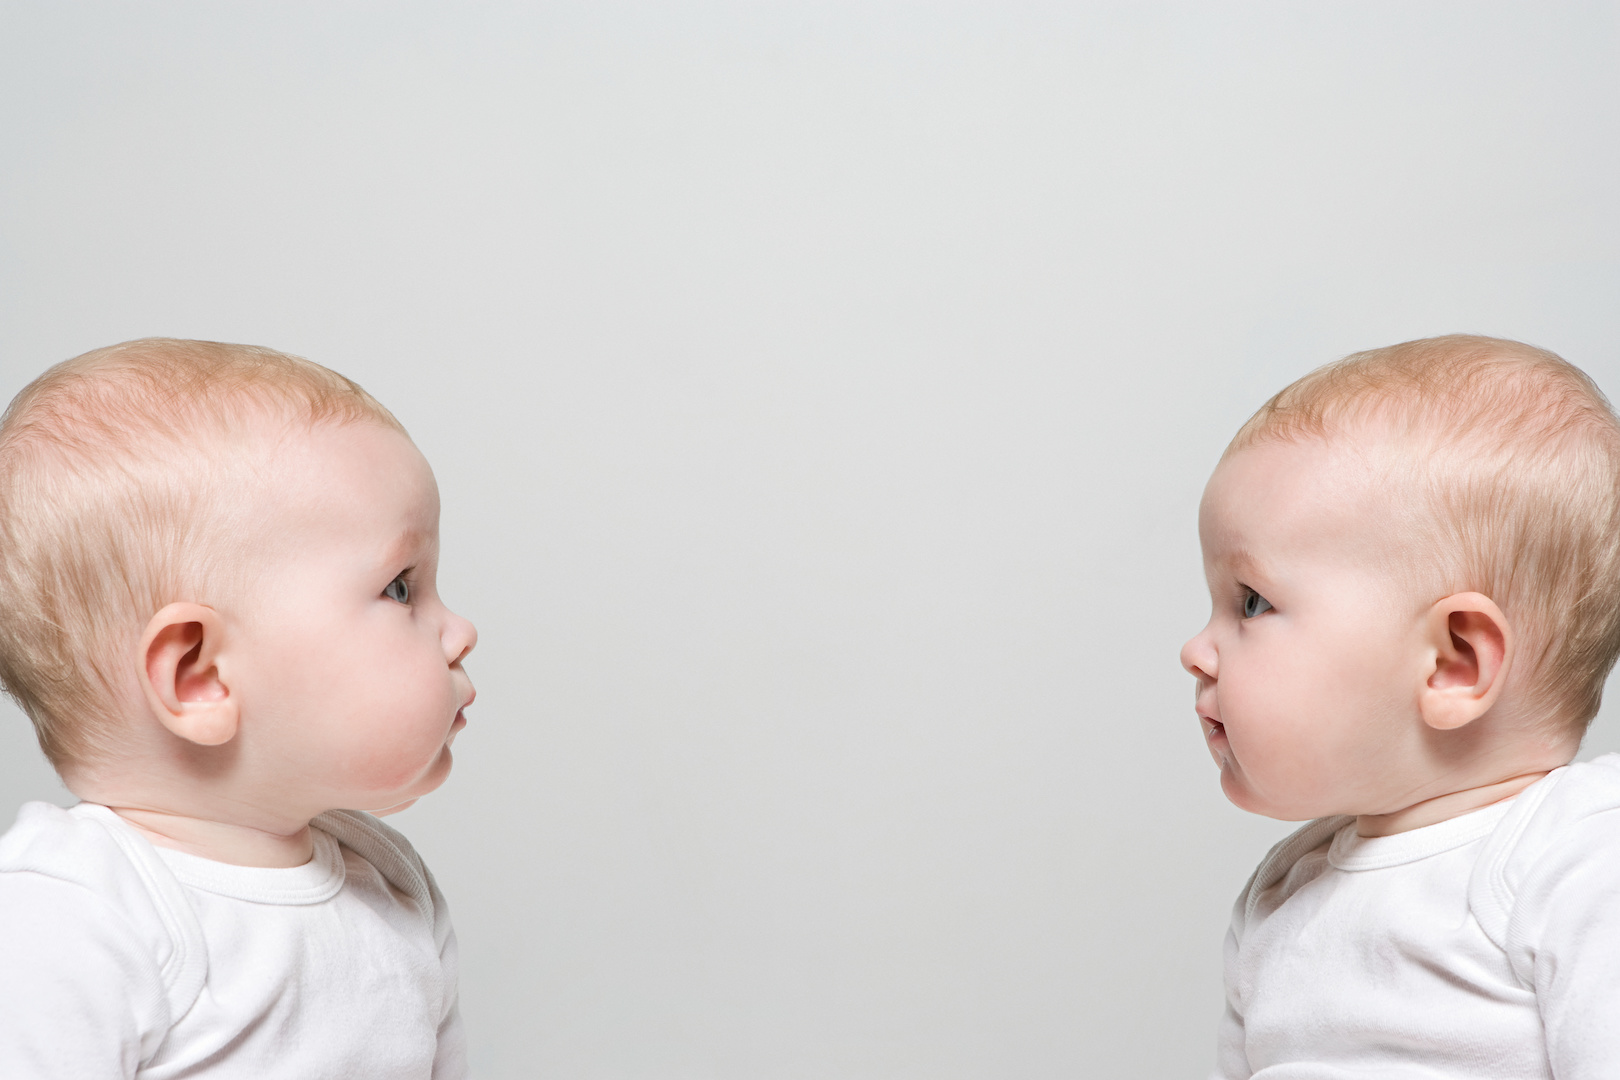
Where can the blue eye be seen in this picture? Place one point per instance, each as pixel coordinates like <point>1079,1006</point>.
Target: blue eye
<point>399,589</point>
<point>1254,604</point>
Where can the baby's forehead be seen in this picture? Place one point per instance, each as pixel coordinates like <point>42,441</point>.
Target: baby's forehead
<point>1295,469</point>
<point>220,487</point>
<point>1345,492</point>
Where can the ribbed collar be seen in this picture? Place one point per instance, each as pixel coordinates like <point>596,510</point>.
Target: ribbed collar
<point>315,881</point>
<point>1351,852</point>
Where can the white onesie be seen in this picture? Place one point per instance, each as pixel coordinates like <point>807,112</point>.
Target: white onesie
<point>1482,947</point>
<point>120,959</point>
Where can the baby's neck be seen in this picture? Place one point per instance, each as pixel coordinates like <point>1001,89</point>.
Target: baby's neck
<point>216,814</point>
<point>1443,807</point>
<point>238,844</point>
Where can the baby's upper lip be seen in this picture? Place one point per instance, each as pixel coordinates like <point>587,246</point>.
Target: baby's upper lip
<point>472,695</point>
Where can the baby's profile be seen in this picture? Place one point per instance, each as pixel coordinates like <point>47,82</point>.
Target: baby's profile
<point>1414,561</point>
<point>218,607</point>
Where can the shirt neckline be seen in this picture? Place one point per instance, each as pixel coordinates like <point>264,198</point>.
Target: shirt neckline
<point>314,882</point>
<point>1353,853</point>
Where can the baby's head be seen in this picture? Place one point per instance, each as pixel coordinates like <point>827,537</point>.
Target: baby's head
<point>1414,561</point>
<point>217,565</point>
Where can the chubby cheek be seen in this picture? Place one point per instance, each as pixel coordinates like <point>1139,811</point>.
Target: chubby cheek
<point>398,719</point>
<point>1279,758</point>
<point>407,736</point>
<point>1308,741</point>
<point>1266,767</point>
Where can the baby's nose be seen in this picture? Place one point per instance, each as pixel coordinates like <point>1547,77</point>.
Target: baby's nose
<point>460,638</point>
<point>1198,656</point>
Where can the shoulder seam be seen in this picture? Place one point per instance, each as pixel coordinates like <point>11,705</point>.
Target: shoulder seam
<point>187,969</point>
<point>185,972</point>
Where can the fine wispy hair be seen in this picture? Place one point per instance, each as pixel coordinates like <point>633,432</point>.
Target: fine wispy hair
<point>126,481</point>
<point>1508,460</point>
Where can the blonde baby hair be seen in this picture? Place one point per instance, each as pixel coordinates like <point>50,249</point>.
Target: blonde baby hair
<point>121,490</point>
<point>1511,457</point>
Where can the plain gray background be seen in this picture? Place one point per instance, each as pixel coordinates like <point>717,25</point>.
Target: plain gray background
<point>821,395</point>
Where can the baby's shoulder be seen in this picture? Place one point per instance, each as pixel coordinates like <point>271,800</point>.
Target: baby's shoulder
<point>60,868</point>
<point>1564,829</point>
<point>81,845</point>
<point>1575,809</point>
<point>1583,787</point>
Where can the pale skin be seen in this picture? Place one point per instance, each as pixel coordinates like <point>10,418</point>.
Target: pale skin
<point>1330,680</point>
<point>332,678</point>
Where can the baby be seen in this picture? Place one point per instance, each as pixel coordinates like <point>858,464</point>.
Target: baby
<point>217,605</point>
<point>1414,560</point>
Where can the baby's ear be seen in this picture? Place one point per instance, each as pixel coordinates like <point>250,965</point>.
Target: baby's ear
<point>180,675</point>
<point>1471,647</point>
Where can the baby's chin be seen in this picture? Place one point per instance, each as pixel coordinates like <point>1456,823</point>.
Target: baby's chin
<point>1242,795</point>
<point>406,795</point>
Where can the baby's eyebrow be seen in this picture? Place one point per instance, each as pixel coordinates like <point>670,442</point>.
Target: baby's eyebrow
<point>1240,560</point>
<point>409,542</point>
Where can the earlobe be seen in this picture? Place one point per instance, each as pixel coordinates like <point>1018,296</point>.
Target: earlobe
<point>1471,646</point>
<point>180,675</point>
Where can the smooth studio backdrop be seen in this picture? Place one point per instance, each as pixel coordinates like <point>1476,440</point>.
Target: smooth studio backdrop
<point>821,394</point>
